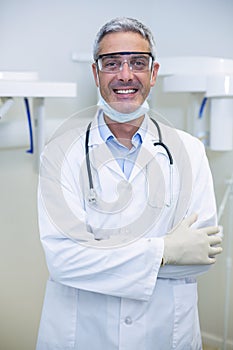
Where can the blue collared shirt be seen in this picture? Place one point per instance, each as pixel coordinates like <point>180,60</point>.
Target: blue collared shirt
<point>125,157</point>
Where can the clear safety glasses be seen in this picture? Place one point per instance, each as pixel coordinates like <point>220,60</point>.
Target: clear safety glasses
<point>113,62</point>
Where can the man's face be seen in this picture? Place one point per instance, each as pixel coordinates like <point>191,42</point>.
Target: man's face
<point>125,89</point>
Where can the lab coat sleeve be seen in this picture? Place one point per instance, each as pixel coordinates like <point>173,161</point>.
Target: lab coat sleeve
<point>129,271</point>
<point>202,202</point>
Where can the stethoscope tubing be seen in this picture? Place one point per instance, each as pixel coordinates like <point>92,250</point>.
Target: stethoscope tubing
<point>92,196</point>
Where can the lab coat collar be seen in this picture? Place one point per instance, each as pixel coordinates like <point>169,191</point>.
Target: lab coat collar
<point>146,153</point>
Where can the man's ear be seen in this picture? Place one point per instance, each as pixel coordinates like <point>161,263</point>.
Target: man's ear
<point>154,73</point>
<point>95,74</point>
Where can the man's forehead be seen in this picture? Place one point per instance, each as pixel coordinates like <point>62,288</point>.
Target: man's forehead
<point>123,41</point>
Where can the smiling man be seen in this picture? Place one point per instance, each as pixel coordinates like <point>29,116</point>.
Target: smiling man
<point>127,214</point>
<point>124,70</point>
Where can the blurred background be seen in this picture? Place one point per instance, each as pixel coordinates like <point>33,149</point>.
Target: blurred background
<point>49,37</point>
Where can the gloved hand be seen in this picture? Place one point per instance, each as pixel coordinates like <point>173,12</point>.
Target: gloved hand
<point>187,246</point>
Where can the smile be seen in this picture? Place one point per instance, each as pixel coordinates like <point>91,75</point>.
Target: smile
<point>127,91</point>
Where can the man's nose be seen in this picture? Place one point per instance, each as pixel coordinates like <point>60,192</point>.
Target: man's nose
<point>125,72</point>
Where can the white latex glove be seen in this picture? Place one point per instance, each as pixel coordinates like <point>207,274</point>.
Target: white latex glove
<point>187,246</point>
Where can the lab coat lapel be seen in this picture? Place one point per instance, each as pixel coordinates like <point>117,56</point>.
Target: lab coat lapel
<point>100,153</point>
<point>146,162</point>
<point>148,151</point>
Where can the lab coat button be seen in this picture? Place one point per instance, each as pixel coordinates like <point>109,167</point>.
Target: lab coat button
<point>128,320</point>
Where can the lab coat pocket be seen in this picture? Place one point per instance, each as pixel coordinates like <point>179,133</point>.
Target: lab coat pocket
<point>59,318</point>
<point>186,333</point>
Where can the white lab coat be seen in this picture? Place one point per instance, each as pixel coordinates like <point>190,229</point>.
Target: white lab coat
<point>119,297</point>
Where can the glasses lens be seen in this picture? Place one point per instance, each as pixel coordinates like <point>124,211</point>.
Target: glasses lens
<point>114,63</point>
<point>140,63</point>
<point>110,64</point>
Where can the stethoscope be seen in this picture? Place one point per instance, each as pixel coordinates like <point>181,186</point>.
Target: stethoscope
<point>92,198</point>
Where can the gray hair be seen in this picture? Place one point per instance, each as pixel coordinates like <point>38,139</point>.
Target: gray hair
<point>123,24</point>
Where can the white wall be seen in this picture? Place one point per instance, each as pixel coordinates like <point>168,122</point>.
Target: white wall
<point>41,36</point>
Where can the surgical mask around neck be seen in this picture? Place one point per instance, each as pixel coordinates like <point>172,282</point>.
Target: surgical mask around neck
<point>119,116</point>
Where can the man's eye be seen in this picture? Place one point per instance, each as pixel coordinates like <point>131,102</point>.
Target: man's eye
<point>139,63</point>
<point>111,64</point>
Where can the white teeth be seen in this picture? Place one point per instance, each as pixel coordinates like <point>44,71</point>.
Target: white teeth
<point>129,91</point>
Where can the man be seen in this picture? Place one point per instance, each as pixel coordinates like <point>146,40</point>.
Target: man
<point>127,215</point>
